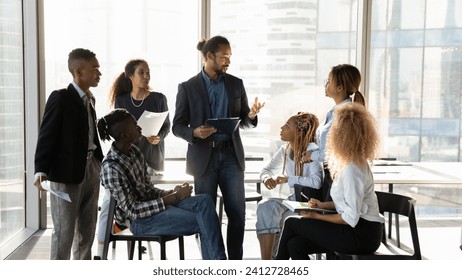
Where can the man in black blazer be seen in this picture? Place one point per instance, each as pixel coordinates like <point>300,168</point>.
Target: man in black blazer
<point>68,159</point>
<point>214,158</point>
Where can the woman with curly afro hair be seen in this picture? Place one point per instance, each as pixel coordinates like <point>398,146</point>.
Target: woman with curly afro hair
<point>356,228</point>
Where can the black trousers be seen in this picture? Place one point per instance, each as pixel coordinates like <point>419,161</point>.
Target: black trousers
<point>302,237</point>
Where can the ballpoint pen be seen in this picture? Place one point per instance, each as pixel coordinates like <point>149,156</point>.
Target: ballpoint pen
<point>307,198</point>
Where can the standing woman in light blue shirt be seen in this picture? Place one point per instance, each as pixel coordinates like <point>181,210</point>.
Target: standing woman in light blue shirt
<point>342,86</point>
<point>356,228</point>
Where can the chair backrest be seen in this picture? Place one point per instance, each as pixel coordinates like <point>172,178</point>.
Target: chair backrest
<point>403,205</point>
<point>110,218</point>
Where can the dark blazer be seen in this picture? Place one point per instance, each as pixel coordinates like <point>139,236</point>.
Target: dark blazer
<point>192,110</point>
<point>62,144</point>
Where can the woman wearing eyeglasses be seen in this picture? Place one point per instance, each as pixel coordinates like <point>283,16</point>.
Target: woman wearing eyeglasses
<point>342,85</point>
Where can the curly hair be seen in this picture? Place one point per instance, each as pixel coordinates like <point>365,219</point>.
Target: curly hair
<point>122,83</point>
<point>353,137</point>
<point>306,124</point>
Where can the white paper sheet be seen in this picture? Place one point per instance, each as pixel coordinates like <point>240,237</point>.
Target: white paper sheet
<point>59,194</point>
<point>151,122</point>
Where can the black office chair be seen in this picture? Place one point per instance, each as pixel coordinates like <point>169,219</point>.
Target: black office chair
<point>401,205</point>
<point>126,235</point>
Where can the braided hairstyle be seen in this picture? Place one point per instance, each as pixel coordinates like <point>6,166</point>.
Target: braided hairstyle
<point>108,126</point>
<point>306,126</point>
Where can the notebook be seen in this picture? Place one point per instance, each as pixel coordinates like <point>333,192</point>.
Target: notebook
<point>296,206</point>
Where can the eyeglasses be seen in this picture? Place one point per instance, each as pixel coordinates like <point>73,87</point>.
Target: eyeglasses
<point>225,58</point>
<point>326,83</point>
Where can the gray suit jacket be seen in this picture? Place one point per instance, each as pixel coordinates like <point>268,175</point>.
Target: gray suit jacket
<point>192,110</point>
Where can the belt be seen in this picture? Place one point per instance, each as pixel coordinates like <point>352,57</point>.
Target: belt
<point>221,144</point>
<point>89,154</point>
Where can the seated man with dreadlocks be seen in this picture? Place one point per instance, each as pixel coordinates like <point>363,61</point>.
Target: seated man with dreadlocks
<point>287,167</point>
<point>148,210</point>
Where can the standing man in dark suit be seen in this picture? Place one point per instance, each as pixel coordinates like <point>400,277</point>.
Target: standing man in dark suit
<point>68,156</point>
<point>216,159</point>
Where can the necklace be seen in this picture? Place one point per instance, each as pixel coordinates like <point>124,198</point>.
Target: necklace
<point>133,101</point>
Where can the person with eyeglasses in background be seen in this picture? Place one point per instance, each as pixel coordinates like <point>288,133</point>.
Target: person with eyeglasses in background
<point>213,158</point>
<point>342,85</point>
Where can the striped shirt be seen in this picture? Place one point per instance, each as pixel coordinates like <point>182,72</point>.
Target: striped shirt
<point>127,179</point>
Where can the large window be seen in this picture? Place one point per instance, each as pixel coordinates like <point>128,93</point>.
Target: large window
<point>415,81</point>
<point>12,211</point>
<point>283,51</point>
<point>164,33</point>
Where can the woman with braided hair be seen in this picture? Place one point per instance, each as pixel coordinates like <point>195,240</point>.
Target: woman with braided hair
<point>286,167</point>
<point>142,207</point>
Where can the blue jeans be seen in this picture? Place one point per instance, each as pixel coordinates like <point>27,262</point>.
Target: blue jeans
<point>195,214</point>
<point>224,171</point>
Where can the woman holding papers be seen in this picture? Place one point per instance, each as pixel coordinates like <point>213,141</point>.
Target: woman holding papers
<point>357,226</point>
<point>131,91</point>
<point>299,134</point>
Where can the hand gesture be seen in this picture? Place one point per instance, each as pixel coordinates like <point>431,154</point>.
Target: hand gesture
<point>282,179</point>
<point>38,183</point>
<point>306,156</point>
<point>183,191</point>
<point>154,139</point>
<point>270,183</point>
<point>204,131</point>
<point>255,109</point>
<point>313,202</point>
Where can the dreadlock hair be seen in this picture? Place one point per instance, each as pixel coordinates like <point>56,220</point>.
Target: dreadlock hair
<point>108,125</point>
<point>306,126</point>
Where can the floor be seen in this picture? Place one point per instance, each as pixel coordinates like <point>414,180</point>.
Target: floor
<point>439,239</point>
<point>439,221</point>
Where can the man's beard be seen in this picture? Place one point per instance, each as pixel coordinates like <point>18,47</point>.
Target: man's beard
<point>220,72</point>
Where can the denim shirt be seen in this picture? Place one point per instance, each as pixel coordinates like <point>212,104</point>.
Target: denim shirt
<point>218,100</point>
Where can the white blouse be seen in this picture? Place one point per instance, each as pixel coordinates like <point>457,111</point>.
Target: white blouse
<point>354,195</point>
<point>312,172</point>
